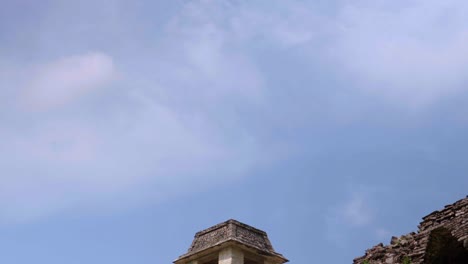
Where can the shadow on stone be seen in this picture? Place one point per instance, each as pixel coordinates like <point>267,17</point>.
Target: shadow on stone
<point>443,248</point>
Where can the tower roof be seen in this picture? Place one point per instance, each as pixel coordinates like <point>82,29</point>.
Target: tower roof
<point>232,231</point>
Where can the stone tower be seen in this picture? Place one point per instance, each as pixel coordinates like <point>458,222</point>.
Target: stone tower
<point>231,242</point>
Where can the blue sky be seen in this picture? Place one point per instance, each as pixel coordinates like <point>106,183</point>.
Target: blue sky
<point>127,126</point>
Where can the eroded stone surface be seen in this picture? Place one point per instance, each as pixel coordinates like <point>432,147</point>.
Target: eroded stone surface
<point>232,231</point>
<point>412,246</point>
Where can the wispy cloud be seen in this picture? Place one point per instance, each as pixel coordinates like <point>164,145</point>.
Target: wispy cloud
<point>412,52</point>
<point>355,213</point>
<point>149,143</point>
<point>356,210</point>
<point>382,234</point>
<point>177,115</point>
<point>60,81</point>
<point>400,51</point>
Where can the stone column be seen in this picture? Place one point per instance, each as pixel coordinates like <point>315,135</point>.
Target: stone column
<point>231,255</point>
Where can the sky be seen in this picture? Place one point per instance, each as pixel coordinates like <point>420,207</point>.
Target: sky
<point>128,126</point>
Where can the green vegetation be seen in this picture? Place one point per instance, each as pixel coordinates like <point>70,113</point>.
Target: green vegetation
<point>406,260</point>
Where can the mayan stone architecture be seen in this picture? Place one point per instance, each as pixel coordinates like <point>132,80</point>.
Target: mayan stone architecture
<point>231,242</point>
<point>442,238</point>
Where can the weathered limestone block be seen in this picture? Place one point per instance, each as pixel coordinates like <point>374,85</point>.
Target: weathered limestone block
<point>231,255</point>
<point>231,242</point>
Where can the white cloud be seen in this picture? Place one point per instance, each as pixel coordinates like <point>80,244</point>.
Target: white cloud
<point>353,212</point>
<point>286,25</point>
<point>203,57</point>
<point>164,130</point>
<point>140,150</point>
<point>61,81</point>
<point>356,211</point>
<point>411,52</point>
<point>382,234</point>
<point>143,155</point>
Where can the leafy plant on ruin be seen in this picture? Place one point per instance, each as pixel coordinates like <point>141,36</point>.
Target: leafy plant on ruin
<point>406,260</point>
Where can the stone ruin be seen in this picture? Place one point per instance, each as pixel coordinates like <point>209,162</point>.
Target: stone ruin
<point>231,242</point>
<point>442,238</point>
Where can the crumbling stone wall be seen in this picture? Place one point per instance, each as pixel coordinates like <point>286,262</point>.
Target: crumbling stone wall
<point>412,247</point>
<point>444,248</point>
